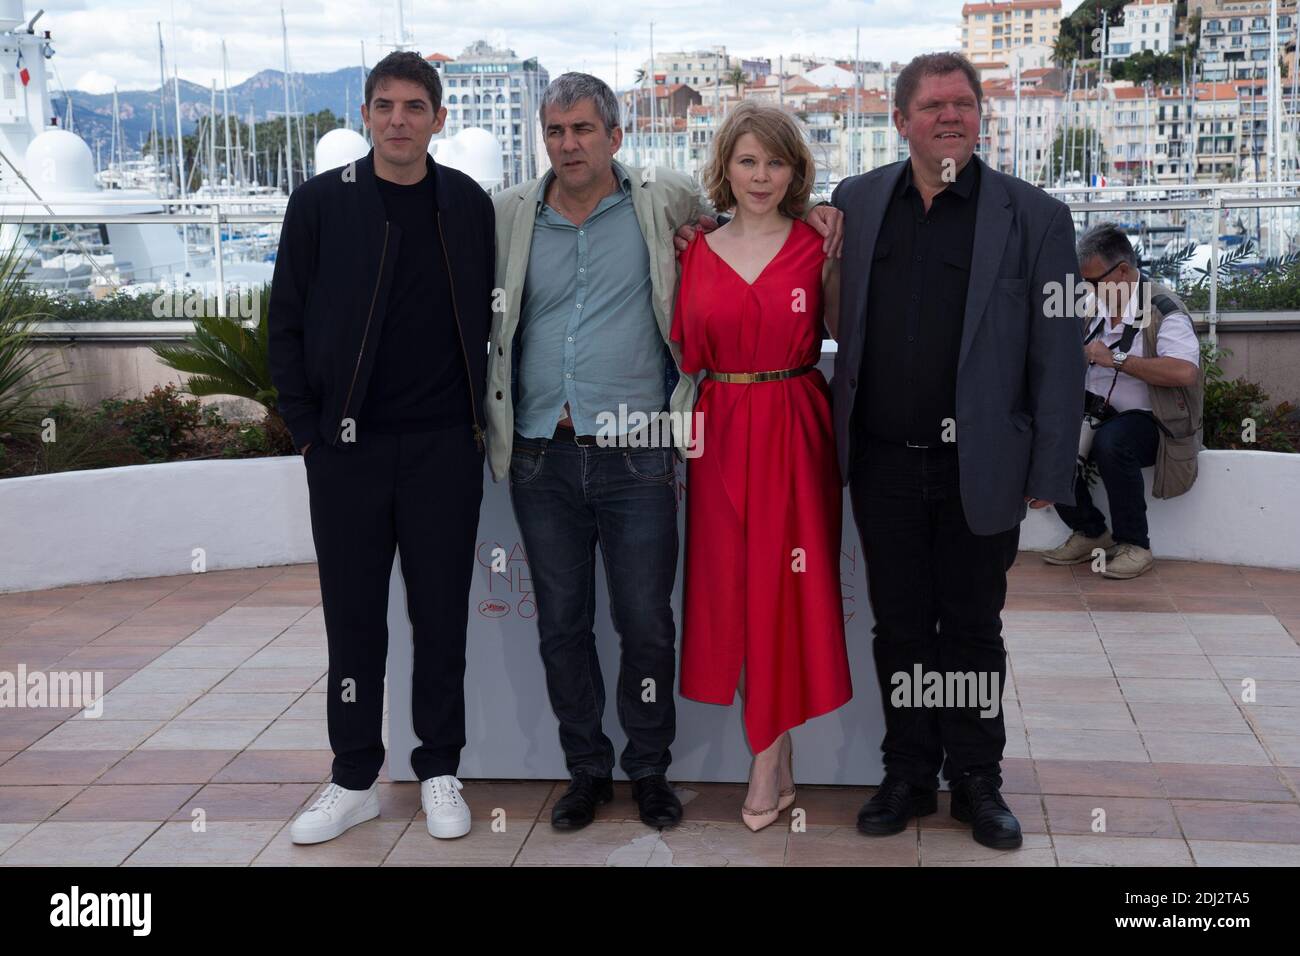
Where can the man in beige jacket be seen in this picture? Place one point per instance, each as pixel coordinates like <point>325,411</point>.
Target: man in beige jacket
<point>578,377</point>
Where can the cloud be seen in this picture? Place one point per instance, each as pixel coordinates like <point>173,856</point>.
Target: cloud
<point>92,81</point>
<point>118,39</point>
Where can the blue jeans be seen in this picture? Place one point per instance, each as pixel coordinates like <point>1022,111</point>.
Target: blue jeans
<point>1121,448</point>
<point>567,498</point>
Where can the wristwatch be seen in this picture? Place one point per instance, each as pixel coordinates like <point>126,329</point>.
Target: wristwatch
<point>1120,358</point>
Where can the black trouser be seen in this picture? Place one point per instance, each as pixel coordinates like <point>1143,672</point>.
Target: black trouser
<point>1121,448</point>
<point>937,591</point>
<point>419,492</point>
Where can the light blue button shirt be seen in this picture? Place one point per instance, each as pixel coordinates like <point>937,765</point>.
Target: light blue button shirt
<point>589,335</point>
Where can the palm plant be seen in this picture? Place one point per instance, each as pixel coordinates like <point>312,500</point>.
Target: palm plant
<point>1226,264</point>
<point>226,357</point>
<point>736,77</point>
<point>1170,265</point>
<point>22,372</point>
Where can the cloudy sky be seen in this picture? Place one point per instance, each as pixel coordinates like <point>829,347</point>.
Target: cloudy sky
<point>102,42</point>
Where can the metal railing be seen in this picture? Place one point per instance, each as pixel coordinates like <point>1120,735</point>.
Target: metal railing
<point>215,217</point>
<point>1234,195</point>
<point>1084,202</point>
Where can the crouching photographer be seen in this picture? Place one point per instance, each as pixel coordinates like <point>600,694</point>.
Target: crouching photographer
<point>1143,405</point>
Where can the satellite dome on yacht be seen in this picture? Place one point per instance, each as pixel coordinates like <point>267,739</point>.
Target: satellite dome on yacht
<point>339,147</point>
<point>59,161</point>
<point>473,151</point>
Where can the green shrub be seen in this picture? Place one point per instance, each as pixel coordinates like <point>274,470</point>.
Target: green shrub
<point>1230,403</point>
<point>1265,292</point>
<point>250,441</point>
<point>226,357</point>
<point>119,306</point>
<point>79,438</point>
<point>157,425</point>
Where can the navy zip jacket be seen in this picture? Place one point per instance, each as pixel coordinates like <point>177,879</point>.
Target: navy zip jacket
<point>330,291</point>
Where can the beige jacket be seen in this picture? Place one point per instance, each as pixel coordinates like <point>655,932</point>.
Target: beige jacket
<point>663,201</point>
<point>1179,410</point>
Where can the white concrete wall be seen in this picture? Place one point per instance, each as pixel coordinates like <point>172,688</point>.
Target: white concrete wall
<point>1243,509</point>
<point>146,520</point>
<point>80,527</point>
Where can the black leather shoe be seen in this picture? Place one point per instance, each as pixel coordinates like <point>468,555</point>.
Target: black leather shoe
<point>577,807</point>
<point>976,800</point>
<point>896,802</point>
<point>655,799</point>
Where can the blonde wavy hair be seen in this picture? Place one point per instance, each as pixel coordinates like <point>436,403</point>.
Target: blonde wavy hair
<point>781,135</point>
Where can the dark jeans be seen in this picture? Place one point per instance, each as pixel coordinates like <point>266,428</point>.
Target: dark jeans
<point>566,499</point>
<point>419,492</point>
<point>1121,447</point>
<point>937,591</point>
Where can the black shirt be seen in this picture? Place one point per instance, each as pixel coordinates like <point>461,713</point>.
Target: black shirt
<point>919,274</point>
<point>418,383</point>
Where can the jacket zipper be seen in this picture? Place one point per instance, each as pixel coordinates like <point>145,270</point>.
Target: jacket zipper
<point>469,375</point>
<point>364,334</point>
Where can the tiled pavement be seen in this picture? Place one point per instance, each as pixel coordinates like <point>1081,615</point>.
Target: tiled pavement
<point>1123,707</point>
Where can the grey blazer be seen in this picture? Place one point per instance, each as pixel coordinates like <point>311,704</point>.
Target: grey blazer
<point>1020,373</point>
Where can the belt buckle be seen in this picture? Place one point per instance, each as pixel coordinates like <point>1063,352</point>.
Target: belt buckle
<point>913,444</point>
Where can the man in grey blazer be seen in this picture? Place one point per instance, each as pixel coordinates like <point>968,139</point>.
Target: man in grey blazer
<point>957,400</point>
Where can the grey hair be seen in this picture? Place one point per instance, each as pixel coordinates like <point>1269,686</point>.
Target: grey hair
<point>568,89</point>
<point>1107,242</point>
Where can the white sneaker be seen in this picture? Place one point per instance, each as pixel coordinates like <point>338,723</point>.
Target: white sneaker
<point>446,814</point>
<point>1127,561</point>
<point>336,810</point>
<point>1078,548</point>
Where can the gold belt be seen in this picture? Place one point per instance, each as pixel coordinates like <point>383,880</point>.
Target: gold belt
<point>746,378</point>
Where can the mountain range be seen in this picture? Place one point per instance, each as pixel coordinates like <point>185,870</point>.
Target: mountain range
<point>92,113</point>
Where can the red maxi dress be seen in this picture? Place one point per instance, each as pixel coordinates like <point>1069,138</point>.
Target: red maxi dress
<point>764,501</point>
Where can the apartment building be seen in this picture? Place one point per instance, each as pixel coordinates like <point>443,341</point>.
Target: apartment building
<point>1235,39</point>
<point>497,91</point>
<point>1148,25</point>
<point>989,30</point>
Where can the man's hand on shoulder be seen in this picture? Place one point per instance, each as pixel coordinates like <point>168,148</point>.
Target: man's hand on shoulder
<point>829,223</point>
<point>685,233</point>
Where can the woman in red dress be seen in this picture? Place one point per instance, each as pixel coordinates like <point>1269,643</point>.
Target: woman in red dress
<point>763,611</point>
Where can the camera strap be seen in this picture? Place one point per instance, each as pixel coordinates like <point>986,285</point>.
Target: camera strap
<point>1124,344</point>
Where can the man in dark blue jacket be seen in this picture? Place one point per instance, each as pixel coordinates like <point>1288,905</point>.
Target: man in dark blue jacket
<point>956,403</point>
<point>379,319</point>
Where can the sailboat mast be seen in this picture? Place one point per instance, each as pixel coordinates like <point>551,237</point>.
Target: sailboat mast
<point>162,101</point>
<point>225,108</point>
<point>212,138</point>
<point>288,123</point>
<point>252,136</point>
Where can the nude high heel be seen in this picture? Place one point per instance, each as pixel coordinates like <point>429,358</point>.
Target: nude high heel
<point>785,798</point>
<point>757,819</point>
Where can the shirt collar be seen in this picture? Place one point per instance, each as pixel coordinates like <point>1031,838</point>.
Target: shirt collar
<point>1130,310</point>
<point>620,176</point>
<point>962,186</point>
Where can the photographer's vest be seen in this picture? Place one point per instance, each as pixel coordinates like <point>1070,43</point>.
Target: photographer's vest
<point>1178,409</point>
